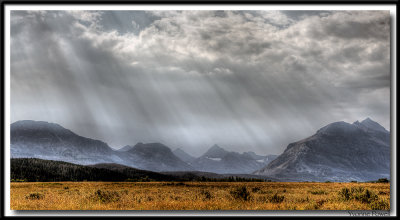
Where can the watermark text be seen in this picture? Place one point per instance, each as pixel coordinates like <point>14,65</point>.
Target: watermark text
<point>369,213</point>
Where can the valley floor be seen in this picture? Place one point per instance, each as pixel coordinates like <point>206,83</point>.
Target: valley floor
<point>199,196</point>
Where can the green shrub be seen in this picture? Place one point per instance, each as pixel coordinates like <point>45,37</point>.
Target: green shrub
<point>355,190</point>
<point>358,193</point>
<point>315,204</point>
<point>276,198</point>
<point>207,195</point>
<point>311,206</point>
<point>106,196</point>
<point>33,196</point>
<point>241,193</point>
<point>345,194</point>
<point>318,192</point>
<point>302,199</point>
<point>380,205</point>
<point>366,196</point>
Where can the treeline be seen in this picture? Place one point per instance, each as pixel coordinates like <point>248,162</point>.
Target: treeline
<point>381,180</point>
<point>231,179</point>
<point>38,170</point>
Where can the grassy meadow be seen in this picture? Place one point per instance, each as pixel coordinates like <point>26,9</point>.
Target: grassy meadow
<point>199,196</point>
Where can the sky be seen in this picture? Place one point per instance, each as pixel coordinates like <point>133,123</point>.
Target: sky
<point>245,80</point>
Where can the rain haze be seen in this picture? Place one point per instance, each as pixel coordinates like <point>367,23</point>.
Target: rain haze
<point>245,80</point>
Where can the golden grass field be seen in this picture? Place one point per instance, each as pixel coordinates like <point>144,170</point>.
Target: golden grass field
<point>199,196</point>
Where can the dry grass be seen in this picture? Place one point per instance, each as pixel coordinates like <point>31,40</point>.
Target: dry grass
<point>199,196</point>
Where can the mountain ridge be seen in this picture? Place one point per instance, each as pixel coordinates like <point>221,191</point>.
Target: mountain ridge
<point>337,152</point>
<point>51,141</point>
<point>183,155</point>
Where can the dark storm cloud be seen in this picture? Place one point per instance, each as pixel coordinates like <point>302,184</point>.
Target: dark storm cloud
<point>246,80</point>
<point>298,15</point>
<point>364,28</point>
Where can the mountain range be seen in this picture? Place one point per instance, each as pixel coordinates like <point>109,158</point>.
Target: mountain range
<point>337,152</point>
<point>50,141</point>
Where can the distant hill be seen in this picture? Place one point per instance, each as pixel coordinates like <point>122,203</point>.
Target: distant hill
<point>337,152</point>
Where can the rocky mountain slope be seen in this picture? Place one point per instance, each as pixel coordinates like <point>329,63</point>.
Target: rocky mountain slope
<point>154,157</point>
<point>51,141</point>
<point>183,155</point>
<point>337,152</point>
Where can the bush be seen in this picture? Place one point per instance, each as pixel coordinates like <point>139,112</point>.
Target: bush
<point>256,189</point>
<point>366,196</point>
<point>358,193</point>
<point>106,196</point>
<point>34,196</point>
<point>359,189</point>
<point>276,198</point>
<point>318,192</point>
<point>380,205</point>
<point>241,193</point>
<point>345,194</point>
<point>207,195</point>
<point>311,206</point>
<point>302,199</point>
